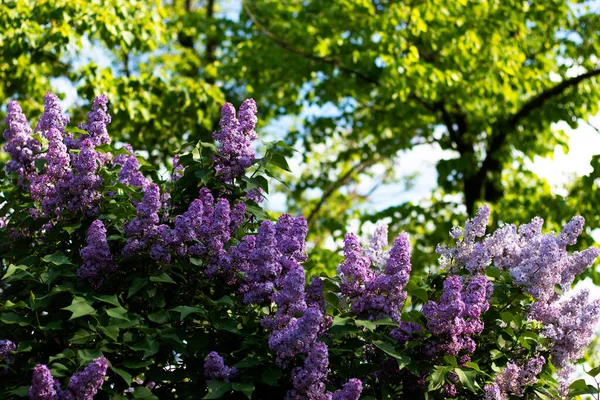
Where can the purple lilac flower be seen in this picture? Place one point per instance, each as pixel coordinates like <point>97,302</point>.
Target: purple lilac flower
<point>6,346</point>
<point>85,384</point>
<point>355,270</point>
<point>264,267</point>
<point>350,391</point>
<point>235,137</point>
<point>256,195</point>
<point>376,294</point>
<point>377,244</point>
<point>219,235</point>
<point>314,294</point>
<point>20,145</point>
<point>514,378</point>
<point>53,116</point>
<point>97,259</point>
<point>215,368</point>
<point>43,186</point>
<point>457,316</point>
<point>405,331</point>
<point>129,174</point>
<point>42,384</point>
<point>142,229</point>
<point>290,298</point>
<point>98,119</point>
<point>177,170</point>
<point>291,237</point>
<point>84,186</point>
<point>570,328</point>
<point>237,217</point>
<point>309,380</point>
<point>450,390</point>
<point>298,335</point>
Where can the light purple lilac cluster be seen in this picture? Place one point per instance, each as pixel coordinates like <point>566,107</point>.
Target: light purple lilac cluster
<point>537,263</point>
<point>457,316</point>
<point>235,137</point>
<point>96,256</point>
<point>514,379</point>
<point>374,280</point>
<point>83,385</point>
<point>215,368</point>
<point>66,180</point>
<point>570,324</point>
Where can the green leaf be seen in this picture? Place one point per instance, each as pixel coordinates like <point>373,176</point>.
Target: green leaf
<point>14,268</point>
<point>137,284</point>
<point>141,392</point>
<point>341,321</point>
<point>82,336</point>
<point>258,212</point>
<point>79,307</point>
<point>217,389</point>
<point>244,387</point>
<point>271,376</point>
<point>388,348</point>
<point>110,331</point>
<point>67,353</point>
<point>162,278</point>
<point>280,161</point>
<point>118,313</point>
<point>186,310</point>
<point>110,299</point>
<point>13,318</point>
<point>467,378</point>
<point>437,377</point>
<point>71,228</point>
<point>248,362</point>
<point>135,364</point>
<point>593,372</point>
<point>123,374</point>
<point>57,258</point>
<point>370,325</point>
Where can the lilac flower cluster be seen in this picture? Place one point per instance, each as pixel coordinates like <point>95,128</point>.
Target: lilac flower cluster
<point>97,259</point>
<point>570,325</point>
<point>20,145</point>
<point>98,119</point>
<point>514,379</point>
<point>235,137</point>
<point>376,293</point>
<point>53,116</point>
<point>129,173</point>
<point>201,231</point>
<point>215,368</point>
<point>66,181</point>
<point>273,272</point>
<point>6,346</point>
<point>83,385</point>
<point>537,263</point>
<point>457,316</point>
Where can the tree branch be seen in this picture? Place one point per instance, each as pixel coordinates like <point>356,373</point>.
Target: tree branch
<point>286,46</point>
<point>345,178</point>
<point>531,105</point>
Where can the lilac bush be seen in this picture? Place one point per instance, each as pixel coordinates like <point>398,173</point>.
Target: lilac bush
<point>120,281</point>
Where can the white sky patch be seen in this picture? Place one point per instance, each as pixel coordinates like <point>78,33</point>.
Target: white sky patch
<point>584,142</point>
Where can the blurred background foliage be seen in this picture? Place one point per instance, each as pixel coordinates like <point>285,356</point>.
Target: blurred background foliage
<point>363,81</point>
